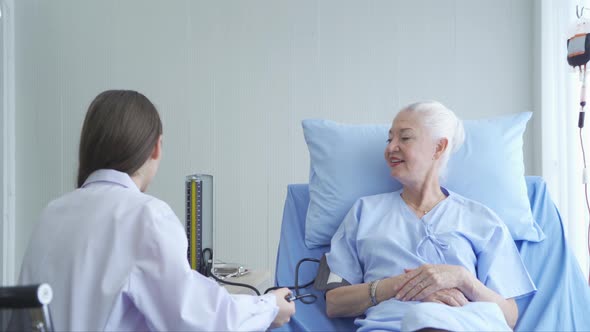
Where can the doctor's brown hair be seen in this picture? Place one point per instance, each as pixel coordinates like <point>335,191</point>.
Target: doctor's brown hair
<point>120,131</point>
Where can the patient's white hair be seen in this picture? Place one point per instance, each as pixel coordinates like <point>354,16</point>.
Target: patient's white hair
<point>440,122</point>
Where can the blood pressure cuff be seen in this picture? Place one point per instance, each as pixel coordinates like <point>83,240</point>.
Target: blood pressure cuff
<point>326,280</point>
<point>578,50</point>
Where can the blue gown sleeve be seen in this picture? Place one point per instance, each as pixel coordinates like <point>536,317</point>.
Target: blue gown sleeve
<point>500,267</point>
<point>343,257</point>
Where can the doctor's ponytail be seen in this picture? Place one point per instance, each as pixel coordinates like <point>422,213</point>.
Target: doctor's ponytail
<point>120,131</point>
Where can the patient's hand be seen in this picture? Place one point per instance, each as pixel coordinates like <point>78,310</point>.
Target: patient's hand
<point>430,278</point>
<point>450,296</point>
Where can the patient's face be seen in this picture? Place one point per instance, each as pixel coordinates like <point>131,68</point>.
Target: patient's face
<point>410,149</point>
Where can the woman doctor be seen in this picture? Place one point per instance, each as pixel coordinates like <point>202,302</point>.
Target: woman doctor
<point>115,256</point>
<point>425,257</point>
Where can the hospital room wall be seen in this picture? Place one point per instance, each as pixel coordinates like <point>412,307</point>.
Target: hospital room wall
<point>233,80</point>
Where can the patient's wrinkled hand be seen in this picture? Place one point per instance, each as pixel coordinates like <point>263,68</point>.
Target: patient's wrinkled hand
<point>428,279</point>
<point>450,296</point>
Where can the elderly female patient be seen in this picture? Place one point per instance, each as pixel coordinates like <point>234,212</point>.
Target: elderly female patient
<point>424,257</point>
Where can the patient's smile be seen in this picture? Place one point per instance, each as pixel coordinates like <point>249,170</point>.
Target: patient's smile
<point>395,162</point>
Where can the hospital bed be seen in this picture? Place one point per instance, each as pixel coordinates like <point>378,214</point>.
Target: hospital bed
<point>561,303</point>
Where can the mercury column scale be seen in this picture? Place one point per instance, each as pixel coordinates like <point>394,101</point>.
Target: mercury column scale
<point>199,221</point>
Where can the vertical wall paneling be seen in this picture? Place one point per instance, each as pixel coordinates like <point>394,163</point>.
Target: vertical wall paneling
<point>6,249</point>
<point>7,145</point>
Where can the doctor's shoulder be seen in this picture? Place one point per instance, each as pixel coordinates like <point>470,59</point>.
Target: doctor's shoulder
<point>157,209</point>
<point>62,203</point>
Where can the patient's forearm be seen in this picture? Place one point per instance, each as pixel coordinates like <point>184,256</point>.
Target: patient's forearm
<point>475,290</point>
<point>354,300</point>
<point>348,301</point>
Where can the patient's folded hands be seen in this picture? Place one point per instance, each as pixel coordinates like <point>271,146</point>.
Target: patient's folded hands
<point>429,279</point>
<point>451,296</point>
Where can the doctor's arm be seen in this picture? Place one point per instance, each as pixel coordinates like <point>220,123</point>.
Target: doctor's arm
<point>171,296</point>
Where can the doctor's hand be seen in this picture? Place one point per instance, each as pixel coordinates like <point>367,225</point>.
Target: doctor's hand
<point>450,296</point>
<point>286,308</point>
<point>430,278</point>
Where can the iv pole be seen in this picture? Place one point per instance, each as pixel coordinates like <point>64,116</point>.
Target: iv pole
<point>578,56</point>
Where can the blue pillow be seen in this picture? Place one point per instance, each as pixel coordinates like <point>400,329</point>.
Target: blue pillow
<point>347,163</point>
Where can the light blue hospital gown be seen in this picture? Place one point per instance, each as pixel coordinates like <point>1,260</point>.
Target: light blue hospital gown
<point>381,236</point>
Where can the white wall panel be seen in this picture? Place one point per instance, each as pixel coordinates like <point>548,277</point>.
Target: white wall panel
<point>234,79</point>
<point>7,144</point>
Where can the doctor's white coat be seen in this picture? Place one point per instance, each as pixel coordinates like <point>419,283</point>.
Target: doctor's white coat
<point>116,260</point>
